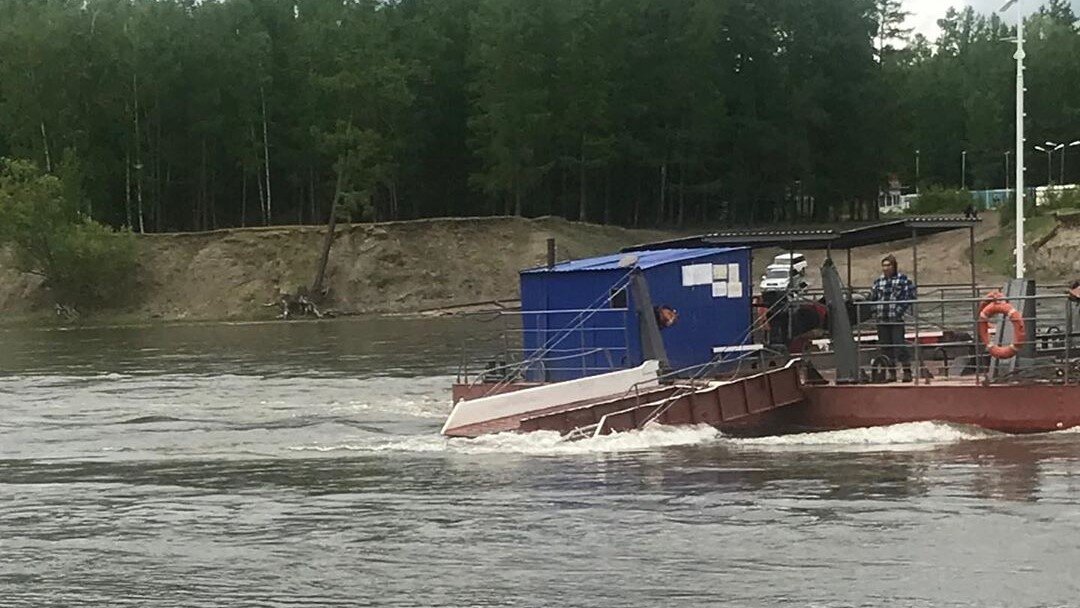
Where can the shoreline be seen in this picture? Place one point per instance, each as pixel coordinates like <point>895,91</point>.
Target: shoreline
<point>421,268</point>
<point>424,267</point>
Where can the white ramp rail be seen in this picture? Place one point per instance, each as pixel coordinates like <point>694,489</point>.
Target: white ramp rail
<point>503,412</point>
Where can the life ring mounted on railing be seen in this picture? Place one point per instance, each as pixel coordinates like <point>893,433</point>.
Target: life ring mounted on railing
<point>993,305</point>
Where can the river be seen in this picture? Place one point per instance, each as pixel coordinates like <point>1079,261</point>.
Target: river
<point>299,464</point>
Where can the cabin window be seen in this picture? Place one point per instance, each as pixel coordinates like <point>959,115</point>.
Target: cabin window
<point>618,298</point>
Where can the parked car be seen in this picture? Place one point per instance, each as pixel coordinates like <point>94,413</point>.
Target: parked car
<point>796,261</point>
<point>787,271</point>
<point>779,277</point>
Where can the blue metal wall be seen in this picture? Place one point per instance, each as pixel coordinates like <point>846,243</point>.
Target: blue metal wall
<point>704,321</point>
<point>552,302</point>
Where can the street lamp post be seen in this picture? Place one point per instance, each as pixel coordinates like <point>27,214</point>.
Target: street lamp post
<point>963,170</point>
<point>916,171</point>
<point>1007,153</point>
<point>1063,149</point>
<point>1049,155</point>
<point>1054,147</point>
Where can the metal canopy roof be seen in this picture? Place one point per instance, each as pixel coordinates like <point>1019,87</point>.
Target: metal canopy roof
<point>647,258</point>
<point>837,236</point>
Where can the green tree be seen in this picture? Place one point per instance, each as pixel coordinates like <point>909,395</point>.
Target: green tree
<point>81,261</point>
<point>889,17</point>
<point>512,58</point>
<point>181,115</point>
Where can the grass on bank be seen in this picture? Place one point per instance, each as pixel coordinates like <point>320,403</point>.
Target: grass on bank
<point>996,253</point>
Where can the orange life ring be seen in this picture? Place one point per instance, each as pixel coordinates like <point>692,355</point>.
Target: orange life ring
<point>995,304</point>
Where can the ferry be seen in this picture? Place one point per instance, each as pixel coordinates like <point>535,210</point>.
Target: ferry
<point>670,333</point>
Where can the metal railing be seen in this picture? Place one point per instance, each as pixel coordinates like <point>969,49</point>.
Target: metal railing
<point>540,346</point>
<point>942,327</point>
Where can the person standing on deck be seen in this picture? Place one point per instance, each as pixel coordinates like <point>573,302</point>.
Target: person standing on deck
<point>892,294</point>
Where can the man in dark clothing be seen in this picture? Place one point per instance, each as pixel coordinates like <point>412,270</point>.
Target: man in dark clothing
<point>892,294</point>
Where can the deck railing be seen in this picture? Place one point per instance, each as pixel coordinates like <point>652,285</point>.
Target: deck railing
<point>540,346</point>
<point>942,327</point>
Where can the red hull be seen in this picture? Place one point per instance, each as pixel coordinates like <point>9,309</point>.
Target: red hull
<point>1005,408</point>
<point>753,408</point>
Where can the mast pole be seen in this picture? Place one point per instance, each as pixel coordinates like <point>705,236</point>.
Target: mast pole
<point>1019,56</point>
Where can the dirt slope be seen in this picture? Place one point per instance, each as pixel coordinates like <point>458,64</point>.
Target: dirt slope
<point>1058,257</point>
<point>425,264</point>
<point>387,267</point>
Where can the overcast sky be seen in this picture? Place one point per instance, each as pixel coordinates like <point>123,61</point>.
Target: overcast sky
<point>925,13</point>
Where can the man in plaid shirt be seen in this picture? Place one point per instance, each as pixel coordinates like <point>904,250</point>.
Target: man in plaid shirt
<point>892,294</point>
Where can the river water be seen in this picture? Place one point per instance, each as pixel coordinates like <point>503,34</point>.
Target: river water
<point>299,464</point>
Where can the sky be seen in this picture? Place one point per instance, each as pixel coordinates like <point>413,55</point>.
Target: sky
<point>925,13</point>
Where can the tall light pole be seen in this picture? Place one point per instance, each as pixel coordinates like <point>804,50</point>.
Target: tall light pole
<point>916,171</point>
<point>963,170</point>
<point>1019,57</point>
<point>1061,179</point>
<point>1064,147</point>
<point>1049,155</point>
<point>1007,153</point>
<point>1054,147</point>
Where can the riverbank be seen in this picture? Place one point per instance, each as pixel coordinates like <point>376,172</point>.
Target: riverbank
<point>441,265</point>
<point>391,267</point>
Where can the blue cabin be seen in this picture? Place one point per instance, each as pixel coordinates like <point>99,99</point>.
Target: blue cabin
<point>581,317</point>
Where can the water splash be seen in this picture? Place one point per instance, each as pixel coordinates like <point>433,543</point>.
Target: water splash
<point>904,436</point>
<point>897,437</point>
<point>538,443</point>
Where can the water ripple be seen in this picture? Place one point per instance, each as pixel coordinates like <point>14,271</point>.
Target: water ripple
<point>301,465</point>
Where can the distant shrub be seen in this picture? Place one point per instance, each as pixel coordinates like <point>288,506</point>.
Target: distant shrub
<point>935,200</point>
<point>1064,199</point>
<point>93,265</point>
<point>1055,201</point>
<point>83,263</point>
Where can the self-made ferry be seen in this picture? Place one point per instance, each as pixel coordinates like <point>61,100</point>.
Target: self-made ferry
<point>670,333</point>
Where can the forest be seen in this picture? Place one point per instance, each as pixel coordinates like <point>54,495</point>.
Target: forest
<point>184,115</point>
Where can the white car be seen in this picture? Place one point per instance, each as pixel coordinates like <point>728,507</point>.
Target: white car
<point>778,278</point>
<point>796,261</point>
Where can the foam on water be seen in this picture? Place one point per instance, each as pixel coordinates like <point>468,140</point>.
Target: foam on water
<point>904,436</point>
<point>415,397</point>
<point>897,437</point>
<point>538,443</point>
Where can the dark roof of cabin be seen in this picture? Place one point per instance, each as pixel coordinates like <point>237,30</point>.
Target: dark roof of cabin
<point>643,259</point>
<point>837,236</point>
